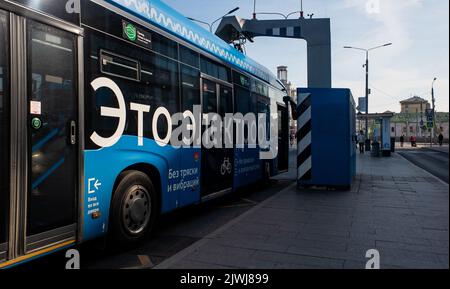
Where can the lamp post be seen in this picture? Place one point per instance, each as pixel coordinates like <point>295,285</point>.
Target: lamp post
<point>211,25</point>
<point>367,86</point>
<point>433,102</point>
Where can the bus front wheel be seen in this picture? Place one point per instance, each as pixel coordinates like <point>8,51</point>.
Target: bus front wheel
<point>134,207</point>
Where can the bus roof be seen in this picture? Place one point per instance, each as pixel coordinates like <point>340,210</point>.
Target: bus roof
<point>163,16</point>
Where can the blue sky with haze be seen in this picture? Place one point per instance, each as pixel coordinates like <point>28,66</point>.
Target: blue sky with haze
<point>419,30</point>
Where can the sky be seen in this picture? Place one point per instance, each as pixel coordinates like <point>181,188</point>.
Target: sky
<point>418,29</point>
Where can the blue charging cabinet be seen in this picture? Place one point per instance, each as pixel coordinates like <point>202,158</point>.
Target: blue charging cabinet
<point>326,138</point>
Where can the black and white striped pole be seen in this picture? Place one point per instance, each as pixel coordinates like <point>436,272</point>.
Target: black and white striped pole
<point>304,136</point>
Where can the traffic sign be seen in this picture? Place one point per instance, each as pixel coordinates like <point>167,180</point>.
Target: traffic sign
<point>429,113</point>
<point>361,104</point>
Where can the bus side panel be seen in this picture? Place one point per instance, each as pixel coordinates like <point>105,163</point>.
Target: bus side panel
<point>187,185</point>
<point>102,167</point>
<point>247,168</point>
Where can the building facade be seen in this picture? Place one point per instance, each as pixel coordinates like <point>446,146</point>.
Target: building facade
<point>282,73</point>
<point>414,104</point>
<point>411,121</point>
<point>410,124</point>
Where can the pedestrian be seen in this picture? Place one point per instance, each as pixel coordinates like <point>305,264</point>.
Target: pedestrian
<point>413,141</point>
<point>402,140</point>
<point>361,142</point>
<point>441,139</point>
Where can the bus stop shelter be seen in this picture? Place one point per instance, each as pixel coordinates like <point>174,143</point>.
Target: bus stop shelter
<point>379,131</point>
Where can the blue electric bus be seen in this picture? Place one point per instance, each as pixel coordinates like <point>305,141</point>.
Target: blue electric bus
<point>80,83</point>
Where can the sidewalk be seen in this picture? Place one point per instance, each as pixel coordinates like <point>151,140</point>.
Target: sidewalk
<point>394,207</point>
<point>435,147</point>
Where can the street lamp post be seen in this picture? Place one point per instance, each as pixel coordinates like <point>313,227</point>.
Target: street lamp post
<point>367,86</point>
<point>211,25</point>
<point>433,101</point>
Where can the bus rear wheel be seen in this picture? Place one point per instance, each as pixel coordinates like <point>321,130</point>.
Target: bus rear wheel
<point>134,207</point>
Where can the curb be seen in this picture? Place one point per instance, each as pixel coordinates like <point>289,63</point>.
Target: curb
<point>425,171</point>
<point>186,251</point>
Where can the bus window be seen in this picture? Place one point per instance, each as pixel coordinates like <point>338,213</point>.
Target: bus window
<point>190,87</point>
<point>243,104</point>
<point>208,67</point>
<point>241,80</point>
<point>209,96</point>
<point>158,86</point>
<point>243,101</point>
<point>4,129</point>
<point>225,101</point>
<point>264,108</point>
<point>120,66</point>
<point>214,69</point>
<point>161,90</point>
<point>164,46</point>
<point>189,56</point>
<point>223,73</point>
<point>283,138</point>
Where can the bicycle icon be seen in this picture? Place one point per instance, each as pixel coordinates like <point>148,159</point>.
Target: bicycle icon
<point>226,167</point>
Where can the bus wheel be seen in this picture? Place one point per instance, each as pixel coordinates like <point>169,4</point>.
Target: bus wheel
<point>134,207</point>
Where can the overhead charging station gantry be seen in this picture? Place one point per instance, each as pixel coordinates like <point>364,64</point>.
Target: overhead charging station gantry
<point>316,32</point>
<point>319,161</point>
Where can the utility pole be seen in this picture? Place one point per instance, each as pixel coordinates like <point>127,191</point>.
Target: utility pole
<point>367,102</point>
<point>367,87</point>
<point>301,10</point>
<point>417,122</point>
<point>421,120</point>
<point>433,101</point>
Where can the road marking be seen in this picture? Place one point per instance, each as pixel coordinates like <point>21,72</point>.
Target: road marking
<point>145,261</point>
<point>249,201</point>
<point>188,250</point>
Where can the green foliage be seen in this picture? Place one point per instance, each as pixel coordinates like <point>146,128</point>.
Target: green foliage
<point>412,117</point>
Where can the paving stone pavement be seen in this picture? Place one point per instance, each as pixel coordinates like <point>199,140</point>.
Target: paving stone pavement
<point>394,207</point>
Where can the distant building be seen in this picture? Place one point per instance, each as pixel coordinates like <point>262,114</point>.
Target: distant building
<point>411,121</point>
<point>411,124</point>
<point>282,73</point>
<point>414,104</point>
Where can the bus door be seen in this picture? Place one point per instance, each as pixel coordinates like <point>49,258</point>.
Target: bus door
<point>283,138</point>
<point>39,100</point>
<point>217,163</point>
<point>4,132</point>
<point>53,151</point>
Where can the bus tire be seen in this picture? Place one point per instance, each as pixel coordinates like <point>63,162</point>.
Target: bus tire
<point>134,208</point>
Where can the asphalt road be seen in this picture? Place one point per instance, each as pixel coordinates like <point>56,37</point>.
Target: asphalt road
<point>173,233</point>
<point>180,229</point>
<point>434,161</point>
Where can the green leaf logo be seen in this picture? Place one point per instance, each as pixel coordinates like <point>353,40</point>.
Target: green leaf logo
<point>130,32</point>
